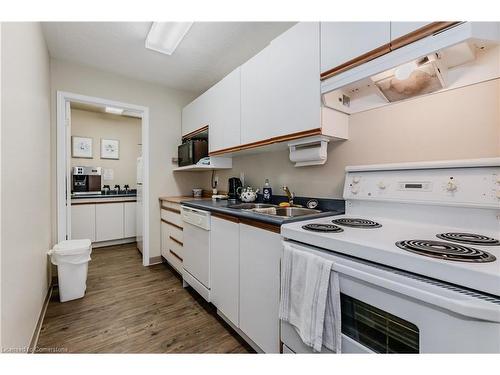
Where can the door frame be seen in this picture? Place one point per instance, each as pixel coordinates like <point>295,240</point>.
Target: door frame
<point>63,157</point>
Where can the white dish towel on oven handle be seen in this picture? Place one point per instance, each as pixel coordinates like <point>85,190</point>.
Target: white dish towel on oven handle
<point>310,298</point>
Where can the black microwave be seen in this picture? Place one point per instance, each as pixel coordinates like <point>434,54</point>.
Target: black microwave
<point>191,151</point>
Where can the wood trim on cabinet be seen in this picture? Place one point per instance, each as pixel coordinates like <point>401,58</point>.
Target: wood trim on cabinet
<point>174,210</point>
<point>172,224</point>
<point>106,202</point>
<point>268,141</point>
<point>420,33</point>
<point>195,132</point>
<point>261,225</point>
<point>175,255</point>
<point>225,217</point>
<point>402,41</point>
<point>176,240</point>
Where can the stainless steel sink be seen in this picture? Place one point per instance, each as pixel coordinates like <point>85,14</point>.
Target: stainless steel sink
<point>250,206</point>
<point>286,211</point>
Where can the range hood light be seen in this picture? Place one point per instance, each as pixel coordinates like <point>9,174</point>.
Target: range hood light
<point>164,37</point>
<point>404,71</point>
<point>113,110</point>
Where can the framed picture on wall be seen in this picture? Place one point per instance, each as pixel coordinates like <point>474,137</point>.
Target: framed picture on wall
<point>81,147</point>
<point>110,149</point>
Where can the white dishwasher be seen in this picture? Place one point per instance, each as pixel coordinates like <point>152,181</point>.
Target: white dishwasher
<point>195,266</point>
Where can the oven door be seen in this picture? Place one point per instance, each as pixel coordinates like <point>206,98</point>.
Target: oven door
<point>391,311</point>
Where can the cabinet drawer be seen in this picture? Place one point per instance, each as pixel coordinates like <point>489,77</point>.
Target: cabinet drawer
<point>173,258</point>
<point>176,246</point>
<point>172,216</point>
<point>175,206</point>
<point>173,230</point>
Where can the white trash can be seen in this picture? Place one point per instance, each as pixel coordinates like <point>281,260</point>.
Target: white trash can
<point>72,259</point>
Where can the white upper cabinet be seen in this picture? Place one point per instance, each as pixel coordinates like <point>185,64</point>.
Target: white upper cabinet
<point>344,41</point>
<point>224,112</point>
<point>399,29</point>
<point>194,115</point>
<point>280,92</point>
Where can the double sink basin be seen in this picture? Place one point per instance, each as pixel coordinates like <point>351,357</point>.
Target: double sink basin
<point>273,210</point>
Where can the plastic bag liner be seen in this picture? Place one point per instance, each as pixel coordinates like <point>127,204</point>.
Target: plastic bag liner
<point>71,252</point>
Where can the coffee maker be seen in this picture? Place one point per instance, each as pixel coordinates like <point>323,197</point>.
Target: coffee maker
<point>234,183</point>
<point>86,180</point>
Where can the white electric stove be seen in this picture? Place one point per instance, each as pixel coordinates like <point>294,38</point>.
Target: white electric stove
<point>418,255</point>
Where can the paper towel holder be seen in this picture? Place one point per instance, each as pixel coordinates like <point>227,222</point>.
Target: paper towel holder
<point>309,151</point>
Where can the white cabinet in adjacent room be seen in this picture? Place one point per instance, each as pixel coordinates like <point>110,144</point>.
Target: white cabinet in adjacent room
<point>260,252</point>
<point>129,219</point>
<point>344,41</point>
<point>224,266</point>
<point>109,221</point>
<point>224,112</point>
<point>83,222</point>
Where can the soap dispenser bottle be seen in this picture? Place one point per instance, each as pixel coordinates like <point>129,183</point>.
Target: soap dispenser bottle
<point>267,192</point>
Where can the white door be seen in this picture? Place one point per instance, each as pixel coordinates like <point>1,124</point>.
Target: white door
<point>224,112</point>
<point>344,41</point>
<point>109,221</point>
<point>260,252</point>
<point>399,29</point>
<point>224,267</point>
<point>83,222</point>
<point>129,219</point>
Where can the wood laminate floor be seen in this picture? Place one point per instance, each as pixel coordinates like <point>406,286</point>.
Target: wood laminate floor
<point>129,308</point>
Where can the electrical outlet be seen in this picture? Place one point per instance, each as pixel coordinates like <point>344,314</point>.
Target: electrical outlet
<point>216,181</point>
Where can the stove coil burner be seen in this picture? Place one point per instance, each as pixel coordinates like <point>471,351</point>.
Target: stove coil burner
<point>469,238</point>
<point>356,223</point>
<point>446,251</point>
<point>323,228</point>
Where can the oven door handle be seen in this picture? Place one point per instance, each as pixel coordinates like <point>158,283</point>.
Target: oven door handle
<point>468,306</point>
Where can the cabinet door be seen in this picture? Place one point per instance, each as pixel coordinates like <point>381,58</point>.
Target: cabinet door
<point>194,115</point>
<point>260,286</point>
<point>83,222</point>
<point>344,41</point>
<point>399,29</point>
<point>224,267</point>
<point>109,221</point>
<point>280,92</point>
<point>129,220</point>
<point>224,112</point>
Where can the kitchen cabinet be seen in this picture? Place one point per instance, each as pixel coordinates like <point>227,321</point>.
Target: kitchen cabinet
<point>224,266</point>
<point>129,219</point>
<point>399,29</point>
<point>83,222</point>
<point>260,252</point>
<point>194,115</point>
<point>172,235</point>
<point>345,41</point>
<point>280,92</point>
<point>109,221</point>
<point>223,114</point>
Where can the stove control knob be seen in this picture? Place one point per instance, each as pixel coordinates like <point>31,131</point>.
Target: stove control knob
<point>451,186</point>
<point>381,185</point>
<point>354,190</point>
<point>355,179</point>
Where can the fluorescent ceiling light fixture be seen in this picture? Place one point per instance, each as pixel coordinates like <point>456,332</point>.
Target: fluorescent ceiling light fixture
<point>164,37</point>
<point>113,110</point>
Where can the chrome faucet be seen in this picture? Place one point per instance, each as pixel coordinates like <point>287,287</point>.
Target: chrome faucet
<point>289,195</point>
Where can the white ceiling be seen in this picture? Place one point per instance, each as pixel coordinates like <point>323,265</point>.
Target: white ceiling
<point>209,51</point>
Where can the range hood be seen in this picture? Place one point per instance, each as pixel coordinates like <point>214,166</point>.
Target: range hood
<point>463,55</point>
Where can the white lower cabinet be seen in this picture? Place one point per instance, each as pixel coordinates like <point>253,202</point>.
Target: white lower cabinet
<point>129,218</point>
<point>83,222</point>
<point>109,221</point>
<point>260,252</point>
<point>224,267</point>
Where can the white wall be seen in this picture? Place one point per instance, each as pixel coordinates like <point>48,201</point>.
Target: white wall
<point>99,126</point>
<point>26,184</point>
<point>165,107</point>
<point>458,124</point>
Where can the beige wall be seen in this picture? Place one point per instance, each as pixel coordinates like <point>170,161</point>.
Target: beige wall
<point>107,126</point>
<point>26,184</point>
<point>165,107</point>
<point>462,123</point>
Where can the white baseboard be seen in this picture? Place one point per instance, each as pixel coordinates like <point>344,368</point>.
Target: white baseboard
<point>121,241</point>
<point>38,327</point>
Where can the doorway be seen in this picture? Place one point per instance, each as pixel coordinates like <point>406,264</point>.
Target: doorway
<point>65,101</point>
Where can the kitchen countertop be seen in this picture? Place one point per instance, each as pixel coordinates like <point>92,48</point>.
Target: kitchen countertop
<point>181,199</point>
<point>335,207</point>
<point>81,199</point>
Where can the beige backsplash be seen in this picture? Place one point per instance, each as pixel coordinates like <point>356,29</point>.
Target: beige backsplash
<point>458,124</point>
